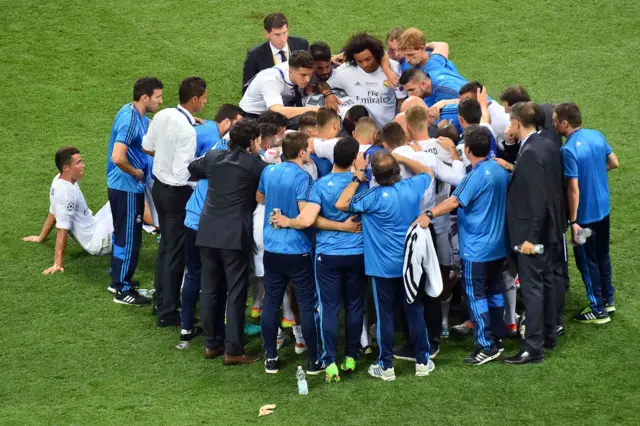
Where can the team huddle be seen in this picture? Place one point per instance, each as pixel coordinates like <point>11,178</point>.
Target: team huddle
<point>377,180</point>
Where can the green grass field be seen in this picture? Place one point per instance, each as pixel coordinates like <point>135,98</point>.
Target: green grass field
<point>68,355</point>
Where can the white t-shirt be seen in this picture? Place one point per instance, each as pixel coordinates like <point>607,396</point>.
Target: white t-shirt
<point>441,223</point>
<point>369,90</point>
<point>499,122</point>
<point>450,174</point>
<point>67,204</point>
<point>460,146</point>
<point>272,156</point>
<point>271,86</point>
<point>324,147</point>
<point>432,146</point>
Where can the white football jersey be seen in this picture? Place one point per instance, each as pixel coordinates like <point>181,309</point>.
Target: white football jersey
<point>440,224</point>
<point>68,205</point>
<point>317,99</point>
<point>369,90</point>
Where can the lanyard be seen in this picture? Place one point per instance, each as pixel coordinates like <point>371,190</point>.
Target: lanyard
<point>185,115</point>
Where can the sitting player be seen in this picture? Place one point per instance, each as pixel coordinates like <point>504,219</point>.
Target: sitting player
<point>70,213</point>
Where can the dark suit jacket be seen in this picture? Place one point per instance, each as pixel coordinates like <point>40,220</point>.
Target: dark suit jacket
<point>226,219</point>
<point>260,58</point>
<point>548,131</point>
<point>535,198</point>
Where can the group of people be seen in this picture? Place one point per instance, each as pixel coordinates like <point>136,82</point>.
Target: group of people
<point>374,165</point>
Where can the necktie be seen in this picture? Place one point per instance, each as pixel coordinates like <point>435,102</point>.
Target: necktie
<point>297,97</point>
<point>283,56</point>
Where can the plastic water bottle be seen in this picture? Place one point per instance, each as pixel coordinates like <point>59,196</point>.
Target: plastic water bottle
<point>582,235</point>
<point>303,388</point>
<point>537,249</point>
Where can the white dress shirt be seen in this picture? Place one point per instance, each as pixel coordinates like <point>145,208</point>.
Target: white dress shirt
<point>269,87</point>
<point>276,55</point>
<point>172,137</point>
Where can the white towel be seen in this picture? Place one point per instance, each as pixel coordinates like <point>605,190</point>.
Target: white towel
<point>420,258</point>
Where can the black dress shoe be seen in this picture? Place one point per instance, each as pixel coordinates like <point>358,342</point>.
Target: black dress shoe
<point>524,357</point>
<point>172,321</point>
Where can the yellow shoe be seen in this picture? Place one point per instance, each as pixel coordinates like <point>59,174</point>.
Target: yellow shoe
<point>287,323</point>
<point>255,313</point>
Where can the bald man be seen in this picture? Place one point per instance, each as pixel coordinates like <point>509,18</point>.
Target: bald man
<point>412,101</point>
<point>401,120</point>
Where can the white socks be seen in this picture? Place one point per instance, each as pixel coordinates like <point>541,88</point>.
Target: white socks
<point>297,333</point>
<point>365,338</point>
<point>445,306</point>
<point>287,312</point>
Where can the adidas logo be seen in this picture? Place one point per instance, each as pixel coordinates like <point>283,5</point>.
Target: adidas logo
<point>272,169</point>
<point>385,194</point>
<point>319,258</point>
<point>487,172</point>
<point>330,183</point>
<point>578,143</point>
<point>357,84</point>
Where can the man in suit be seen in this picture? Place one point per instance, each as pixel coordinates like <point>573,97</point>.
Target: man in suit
<point>225,239</point>
<point>514,94</point>
<point>535,215</point>
<point>274,51</point>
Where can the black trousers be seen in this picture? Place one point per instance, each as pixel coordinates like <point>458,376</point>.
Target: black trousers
<point>538,292</point>
<point>225,280</point>
<point>171,202</point>
<point>561,279</point>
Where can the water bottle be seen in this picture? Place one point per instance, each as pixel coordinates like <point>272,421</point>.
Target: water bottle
<point>537,249</point>
<point>582,235</point>
<point>303,389</point>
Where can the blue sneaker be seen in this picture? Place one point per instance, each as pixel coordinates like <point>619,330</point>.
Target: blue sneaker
<point>251,329</point>
<point>589,316</point>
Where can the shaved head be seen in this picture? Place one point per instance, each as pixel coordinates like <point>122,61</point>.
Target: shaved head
<point>400,119</point>
<point>413,101</point>
<point>365,128</point>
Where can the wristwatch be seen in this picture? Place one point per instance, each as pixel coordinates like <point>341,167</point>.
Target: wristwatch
<point>429,214</point>
<point>356,179</point>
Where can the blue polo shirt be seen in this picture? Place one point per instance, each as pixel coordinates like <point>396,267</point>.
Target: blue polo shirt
<point>446,81</point>
<point>283,186</point>
<point>450,113</point>
<point>128,128</point>
<point>323,165</point>
<point>584,157</point>
<point>482,224</point>
<point>387,214</point>
<point>207,136</point>
<point>325,193</point>
<point>195,204</point>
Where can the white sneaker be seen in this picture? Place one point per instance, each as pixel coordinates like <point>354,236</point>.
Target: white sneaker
<point>464,329</point>
<point>424,370</point>
<point>281,341</point>
<point>300,348</point>
<point>379,373</point>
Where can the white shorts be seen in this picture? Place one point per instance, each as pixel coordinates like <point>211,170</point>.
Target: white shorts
<point>148,184</point>
<point>258,240</point>
<point>102,241</point>
<point>443,249</point>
